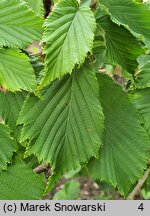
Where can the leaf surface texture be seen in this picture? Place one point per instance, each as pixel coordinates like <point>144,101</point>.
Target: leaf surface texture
<point>7,146</point>
<point>141,100</point>
<point>69,35</point>
<point>16,72</point>
<point>19,26</point>
<point>37,6</point>
<point>122,48</point>
<point>124,154</point>
<point>65,127</point>
<point>18,182</point>
<point>132,14</point>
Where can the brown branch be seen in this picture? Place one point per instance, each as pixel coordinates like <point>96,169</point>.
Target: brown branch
<point>139,185</point>
<point>41,168</point>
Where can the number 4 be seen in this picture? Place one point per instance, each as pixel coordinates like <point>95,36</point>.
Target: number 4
<point>141,207</point>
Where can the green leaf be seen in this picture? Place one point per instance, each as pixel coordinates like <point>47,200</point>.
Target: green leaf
<point>16,72</point>
<point>38,67</point>
<point>7,146</point>
<point>142,60</point>
<point>124,154</point>
<point>10,106</point>
<point>86,2</point>
<point>52,180</point>
<point>37,6</point>
<point>19,26</point>
<point>65,127</point>
<point>99,49</point>
<point>100,11</point>
<point>143,75</point>
<point>121,46</point>
<point>69,34</point>
<point>132,14</point>
<point>141,100</point>
<point>18,182</point>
